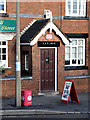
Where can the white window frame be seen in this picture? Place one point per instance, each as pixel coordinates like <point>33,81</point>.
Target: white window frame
<point>4,62</point>
<point>83,2</point>
<point>70,45</point>
<point>6,37</point>
<point>26,55</point>
<point>4,3</point>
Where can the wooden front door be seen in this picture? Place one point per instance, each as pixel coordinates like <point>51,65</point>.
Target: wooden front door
<point>47,69</point>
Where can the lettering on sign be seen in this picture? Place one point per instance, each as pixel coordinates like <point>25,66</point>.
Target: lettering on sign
<point>48,44</point>
<point>7,25</point>
<point>66,90</point>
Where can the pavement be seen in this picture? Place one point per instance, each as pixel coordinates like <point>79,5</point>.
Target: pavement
<point>46,104</point>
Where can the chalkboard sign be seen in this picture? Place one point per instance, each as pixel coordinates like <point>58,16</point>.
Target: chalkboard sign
<point>69,90</point>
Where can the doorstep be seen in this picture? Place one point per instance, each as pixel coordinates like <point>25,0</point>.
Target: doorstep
<point>49,93</point>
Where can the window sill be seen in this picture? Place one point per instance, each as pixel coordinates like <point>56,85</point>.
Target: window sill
<point>7,67</point>
<point>77,76</point>
<point>13,78</point>
<point>4,15</point>
<point>76,18</point>
<point>3,71</point>
<point>76,68</point>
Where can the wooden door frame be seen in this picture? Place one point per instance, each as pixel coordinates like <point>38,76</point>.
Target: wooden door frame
<point>55,68</point>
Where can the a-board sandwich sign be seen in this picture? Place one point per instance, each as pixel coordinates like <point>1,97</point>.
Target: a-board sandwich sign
<point>69,91</point>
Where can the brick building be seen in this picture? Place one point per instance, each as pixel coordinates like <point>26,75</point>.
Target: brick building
<point>53,47</point>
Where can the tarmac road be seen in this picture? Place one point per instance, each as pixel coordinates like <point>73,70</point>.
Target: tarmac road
<point>45,117</point>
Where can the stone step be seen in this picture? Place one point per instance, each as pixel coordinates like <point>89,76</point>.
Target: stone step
<point>49,93</point>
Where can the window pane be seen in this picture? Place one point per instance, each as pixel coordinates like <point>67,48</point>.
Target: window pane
<point>67,53</point>
<point>74,61</point>
<point>0,57</point>
<point>69,6</point>
<point>74,6</point>
<point>80,61</point>
<point>80,49</point>
<point>0,50</point>
<point>80,7</point>
<point>80,53</point>
<point>74,55</point>
<point>4,43</point>
<point>3,50</point>
<point>67,56</point>
<point>3,57</point>
<point>80,56</point>
<point>74,42</point>
<point>1,7</point>
<point>74,52</point>
<point>67,62</point>
<point>80,42</point>
<point>67,49</point>
<point>26,62</point>
<point>74,11</point>
<point>0,42</point>
<point>1,1</point>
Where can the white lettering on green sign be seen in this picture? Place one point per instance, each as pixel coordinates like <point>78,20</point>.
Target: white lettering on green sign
<point>7,25</point>
<point>1,22</point>
<point>7,28</point>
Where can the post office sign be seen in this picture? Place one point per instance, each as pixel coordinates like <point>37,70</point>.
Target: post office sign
<point>48,36</point>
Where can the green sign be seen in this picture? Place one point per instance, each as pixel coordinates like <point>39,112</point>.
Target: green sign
<point>7,25</point>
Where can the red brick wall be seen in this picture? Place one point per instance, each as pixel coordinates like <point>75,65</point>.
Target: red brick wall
<point>35,67</point>
<point>8,89</point>
<point>57,8</point>
<point>75,26</point>
<point>81,84</point>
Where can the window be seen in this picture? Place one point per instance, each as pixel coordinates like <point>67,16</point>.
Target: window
<point>75,53</point>
<point>26,62</point>
<point>75,8</point>
<point>2,6</point>
<point>3,54</point>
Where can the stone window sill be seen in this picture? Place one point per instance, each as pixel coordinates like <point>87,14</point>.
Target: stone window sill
<point>4,15</point>
<point>76,68</point>
<point>78,18</point>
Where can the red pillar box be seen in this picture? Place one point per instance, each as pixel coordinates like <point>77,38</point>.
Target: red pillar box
<point>26,97</point>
